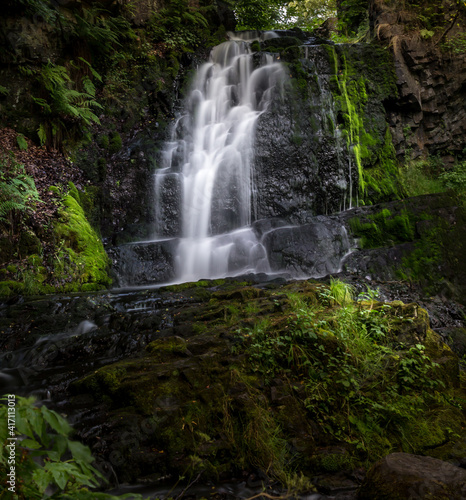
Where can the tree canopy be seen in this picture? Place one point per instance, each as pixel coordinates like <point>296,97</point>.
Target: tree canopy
<point>270,14</point>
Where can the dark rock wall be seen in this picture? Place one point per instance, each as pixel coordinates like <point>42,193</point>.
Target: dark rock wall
<point>429,118</point>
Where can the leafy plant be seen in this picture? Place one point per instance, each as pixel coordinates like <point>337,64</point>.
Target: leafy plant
<point>455,178</point>
<point>18,193</point>
<point>101,30</point>
<point>179,26</point>
<point>414,369</point>
<point>48,462</point>
<point>345,357</point>
<point>22,143</point>
<point>421,176</point>
<point>64,104</point>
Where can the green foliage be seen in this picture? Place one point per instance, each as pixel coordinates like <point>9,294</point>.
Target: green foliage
<point>455,44</point>
<point>421,176</point>
<point>64,104</point>
<point>455,178</point>
<point>46,459</point>
<point>259,14</point>
<point>340,292</point>
<point>311,13</point>
<point>351,15</point>
<point>22,143</point>
<point>428,176</point>
<point>179,26</point>
<point>18,194</point>
<point>115,143</point>
<point>40,9</point>
<point>414,369</point>
<point>422,264</point>
<point>360,384</point>
<point>102,31</point>
<point>4,91</point>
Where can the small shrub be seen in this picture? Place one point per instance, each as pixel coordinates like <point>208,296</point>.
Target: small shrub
<point>456,178</point>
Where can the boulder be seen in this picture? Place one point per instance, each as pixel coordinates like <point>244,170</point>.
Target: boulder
<point>401,476</point>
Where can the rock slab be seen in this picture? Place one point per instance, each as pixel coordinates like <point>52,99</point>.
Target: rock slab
<point>402,476</point>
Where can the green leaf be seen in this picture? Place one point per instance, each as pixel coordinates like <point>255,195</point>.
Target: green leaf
<point>80,452</point>
<point>42,478</point>
<point>58,423</point>
<point>31,443</point>
<point>22,143</point>
<point>41,132</point>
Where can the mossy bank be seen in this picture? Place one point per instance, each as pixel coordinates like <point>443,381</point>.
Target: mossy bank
<point>292,380</point>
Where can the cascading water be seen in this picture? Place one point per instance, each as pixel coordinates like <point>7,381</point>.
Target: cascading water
<point>208,161</point>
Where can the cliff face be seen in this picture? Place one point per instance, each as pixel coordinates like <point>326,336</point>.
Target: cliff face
<point>428,43</point>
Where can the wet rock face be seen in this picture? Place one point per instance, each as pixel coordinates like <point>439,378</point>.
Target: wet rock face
<point>402,475</point>
<point>313,249</point>
<point>300,164</point>
<point>144,263</point>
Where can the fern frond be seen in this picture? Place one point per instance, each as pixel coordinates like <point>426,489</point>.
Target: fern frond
<point>88,86</point>
<point>42,133</point>
<point>93,71</point>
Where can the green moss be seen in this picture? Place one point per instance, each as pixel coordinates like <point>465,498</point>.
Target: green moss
<point>103,141</point>
<point>10,287</point>
<point>368,138</point>
<point>55,190</point>
<point>333,462</point>
<point>83,254</point>
<point>423,263</point>
<point>115,143</point>
<point>383,177</point>
<point>255,46</point>
<point>383,228</point>
<point>168,346</point>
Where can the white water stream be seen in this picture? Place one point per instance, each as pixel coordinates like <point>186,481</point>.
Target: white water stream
<point>209,160</point>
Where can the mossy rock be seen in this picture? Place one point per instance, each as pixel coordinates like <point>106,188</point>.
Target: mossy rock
<point>242,294</point>
<point>332,459</point>
<point>440,353</point>
<point>28,243</point>
<point>89,262</point>
<point>167,347</point>
<point>281,42</point>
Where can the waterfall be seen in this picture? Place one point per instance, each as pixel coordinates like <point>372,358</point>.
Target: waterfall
<point>204,188</point>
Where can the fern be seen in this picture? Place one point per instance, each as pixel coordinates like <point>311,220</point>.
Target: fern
<point>64,103</point>
<point>18,193</point>
<point>92,70</point>
<point>179,26</point>
<point>101,30</point>
<point>22,143</point>
<point>42,133</point>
